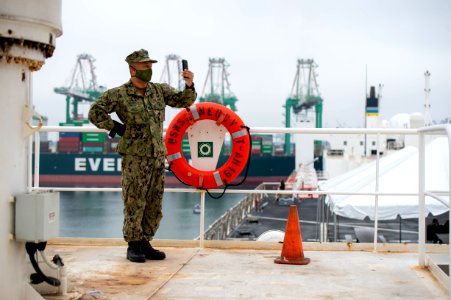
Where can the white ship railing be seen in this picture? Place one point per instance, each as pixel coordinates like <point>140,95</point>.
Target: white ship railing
<point>446,130</point>
<point>33,185</point>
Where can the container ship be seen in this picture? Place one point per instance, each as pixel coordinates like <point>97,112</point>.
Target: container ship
<point>90,159</point>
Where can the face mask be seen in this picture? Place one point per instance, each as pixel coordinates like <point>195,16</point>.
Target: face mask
<point>144,75</point>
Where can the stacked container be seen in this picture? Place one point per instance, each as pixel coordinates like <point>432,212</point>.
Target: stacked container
<point>185,144</point>
<point>44,147</point>
<point>226,149</point>
<point>262,144</point>
<point>256,145</point>
<point>267,144</point>
<point>93,142</point>
<point>69,142</point>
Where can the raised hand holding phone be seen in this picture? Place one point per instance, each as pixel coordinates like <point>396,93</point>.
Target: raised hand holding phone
<point>187,74</point>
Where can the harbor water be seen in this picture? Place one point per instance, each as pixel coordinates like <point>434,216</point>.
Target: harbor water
<point>100,214</point>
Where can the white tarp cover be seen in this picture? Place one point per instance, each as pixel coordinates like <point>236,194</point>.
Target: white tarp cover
<point>398,172</point>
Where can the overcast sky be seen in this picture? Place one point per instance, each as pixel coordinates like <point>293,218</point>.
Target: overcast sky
<point>262,40</point>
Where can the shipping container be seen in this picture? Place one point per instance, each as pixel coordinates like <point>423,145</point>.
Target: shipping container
<point>92,144</point>
<point>69,139</point>
<point>44,146</point>
<point>65,149</point>
<point>185,146</point>
<point>279,152</point>
<point>92,149</point>
<point>256,146</point>
<point>69,144</point>
<point>70,134</point>
<point>267,144</point>
<point>225,149</point>
<point>95,137</point>
<point>267,149</point>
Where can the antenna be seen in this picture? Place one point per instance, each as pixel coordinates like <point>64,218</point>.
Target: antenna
<point>379,95</point>
<point>427,106</point>
<point>366,80</point>
<point>364,108</point>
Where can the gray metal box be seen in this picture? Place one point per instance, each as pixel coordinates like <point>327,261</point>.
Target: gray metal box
<point>37,216</point>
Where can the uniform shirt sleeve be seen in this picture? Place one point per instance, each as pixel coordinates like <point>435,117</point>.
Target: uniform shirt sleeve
<point>100,110</point>
<point>174,98</point>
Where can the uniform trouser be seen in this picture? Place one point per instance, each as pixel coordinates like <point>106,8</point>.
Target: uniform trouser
<point>142,192</point>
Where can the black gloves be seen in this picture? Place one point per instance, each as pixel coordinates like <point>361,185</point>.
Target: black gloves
<point>190,87</point>
<point>117,129</point>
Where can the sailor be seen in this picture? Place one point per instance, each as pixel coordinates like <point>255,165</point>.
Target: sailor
<point>140,106</point>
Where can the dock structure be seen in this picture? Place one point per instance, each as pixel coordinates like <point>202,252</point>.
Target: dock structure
<point>256,214</point>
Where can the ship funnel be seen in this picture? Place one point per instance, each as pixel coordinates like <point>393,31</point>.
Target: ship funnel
<point>372,92</point>
<point>372,102</point>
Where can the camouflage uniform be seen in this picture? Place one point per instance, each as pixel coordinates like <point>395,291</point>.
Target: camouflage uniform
<point>142,148</point>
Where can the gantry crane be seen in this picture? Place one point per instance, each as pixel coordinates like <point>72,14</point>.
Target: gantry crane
<point>172,75</point>
<point>83,88</point>
<point>172,72</point>
<point>217,86</point>
<point>304,96</point>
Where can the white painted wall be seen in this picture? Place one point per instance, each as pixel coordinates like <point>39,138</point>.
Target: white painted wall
<point>38,21</point>
<point>13,167</point>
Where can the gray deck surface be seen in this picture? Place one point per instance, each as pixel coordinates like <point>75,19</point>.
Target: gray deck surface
<point>102,272</point>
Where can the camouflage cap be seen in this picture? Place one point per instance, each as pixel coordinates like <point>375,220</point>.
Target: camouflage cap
<point>139,56</point>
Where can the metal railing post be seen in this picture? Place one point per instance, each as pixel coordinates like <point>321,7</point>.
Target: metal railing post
<point>376,198</point>
<point>202,220</point>
<point>30,164</point>
<point>421,199</point>
<point>37,153</point>
<point>448,131</point>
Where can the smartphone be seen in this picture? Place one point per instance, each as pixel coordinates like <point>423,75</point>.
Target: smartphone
<point>184,64</point>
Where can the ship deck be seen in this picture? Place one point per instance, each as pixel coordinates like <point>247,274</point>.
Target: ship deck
<point>97,269</point>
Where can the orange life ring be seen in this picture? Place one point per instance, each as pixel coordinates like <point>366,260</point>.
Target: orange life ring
<point>240,145</point>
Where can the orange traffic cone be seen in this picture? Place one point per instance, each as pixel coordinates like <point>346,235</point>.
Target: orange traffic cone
<point>292,251</point>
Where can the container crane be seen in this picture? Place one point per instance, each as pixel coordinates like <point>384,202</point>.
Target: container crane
<point>217,86</point>
<point>304,97</point>
<point>171,75</point>
<point>83,88</point>
<point>171,72</point>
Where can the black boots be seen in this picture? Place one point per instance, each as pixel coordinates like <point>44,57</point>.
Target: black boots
<point>134,253</point>
<point>138,251</point>
<point>151,253</point>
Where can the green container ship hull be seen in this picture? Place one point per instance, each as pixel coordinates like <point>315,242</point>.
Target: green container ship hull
<point>104,170</point>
